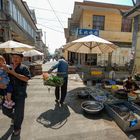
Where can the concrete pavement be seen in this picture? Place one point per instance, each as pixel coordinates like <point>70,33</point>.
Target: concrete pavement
<point>46,121</point>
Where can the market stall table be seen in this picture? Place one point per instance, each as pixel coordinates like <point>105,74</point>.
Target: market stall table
<point>125,113</point>
<point>35,69</point>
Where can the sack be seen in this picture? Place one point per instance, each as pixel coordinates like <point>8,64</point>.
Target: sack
<point>52,80</point>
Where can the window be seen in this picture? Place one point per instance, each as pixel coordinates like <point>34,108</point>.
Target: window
<point>1,5</point>
<point>10,8</point>
<point>15,14</point>
<point>18,16</point>
<point>139,23</point>
<point>24,23</point>
<point>20,19</point>
<point>126,25</point>
<point>98,22</point>
<point>73,29</point>
<point>32,33</point>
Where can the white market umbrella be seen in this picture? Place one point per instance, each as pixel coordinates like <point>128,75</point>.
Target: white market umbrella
<point>90,44</point>
<point>13,46</point>
<point>32,53</point>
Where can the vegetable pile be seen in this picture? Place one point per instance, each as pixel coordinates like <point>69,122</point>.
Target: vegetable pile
<point>53,80</point>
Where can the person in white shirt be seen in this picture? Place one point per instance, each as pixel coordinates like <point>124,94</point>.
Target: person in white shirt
<point>112,74</point>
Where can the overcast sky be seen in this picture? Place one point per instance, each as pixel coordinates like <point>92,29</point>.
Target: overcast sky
<point>53,23</point>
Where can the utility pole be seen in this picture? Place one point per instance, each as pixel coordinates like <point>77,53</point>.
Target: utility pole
<point>134,37</point>
<point>133,2</point>
<point>45,49</point>
<point>45,37</point>
<point>135,29</point>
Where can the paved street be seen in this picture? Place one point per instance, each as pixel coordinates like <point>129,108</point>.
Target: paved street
<point>46,121</point>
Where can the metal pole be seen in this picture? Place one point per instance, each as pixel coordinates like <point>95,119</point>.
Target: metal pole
<point>134,39</point>
<point>45,37</point>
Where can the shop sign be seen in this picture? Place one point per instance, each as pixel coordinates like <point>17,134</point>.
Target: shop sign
<point>85,32</point>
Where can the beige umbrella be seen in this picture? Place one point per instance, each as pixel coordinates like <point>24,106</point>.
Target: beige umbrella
<point>90,44</point>
<point>13,46</point>
<point>32,53</point>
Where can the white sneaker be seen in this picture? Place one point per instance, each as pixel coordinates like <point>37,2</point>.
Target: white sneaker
<point>9,105</point>
<point>5,104</point>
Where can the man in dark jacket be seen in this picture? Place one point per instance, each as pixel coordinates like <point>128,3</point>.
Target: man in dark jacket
<point>62,71</point>
<point>19,76</point>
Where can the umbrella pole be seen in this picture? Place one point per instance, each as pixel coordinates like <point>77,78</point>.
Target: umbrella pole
<point>90,58</point>
<point>109,60</point>
<point>90,52</point>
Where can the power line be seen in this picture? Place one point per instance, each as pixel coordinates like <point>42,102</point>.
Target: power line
<point>50,19</point>
<point>50,25</point>
<point>50,28</point>
<point>55,14</point>
<point>49,10</point>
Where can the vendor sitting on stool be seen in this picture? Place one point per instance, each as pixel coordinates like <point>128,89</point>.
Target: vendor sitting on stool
<point>130,85</point>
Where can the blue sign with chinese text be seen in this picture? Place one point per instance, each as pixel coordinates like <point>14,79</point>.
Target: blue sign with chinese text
<point>85,32</point>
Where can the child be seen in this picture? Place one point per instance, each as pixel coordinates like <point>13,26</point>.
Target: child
<point>4,79</point>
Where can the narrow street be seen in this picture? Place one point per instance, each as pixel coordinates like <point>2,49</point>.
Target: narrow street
<point>100,40</point>
<point>46,121</point>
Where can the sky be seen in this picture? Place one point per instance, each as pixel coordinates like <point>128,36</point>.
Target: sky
<point>52,17</point>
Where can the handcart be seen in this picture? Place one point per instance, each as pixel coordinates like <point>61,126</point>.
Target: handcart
<point>91,74</point>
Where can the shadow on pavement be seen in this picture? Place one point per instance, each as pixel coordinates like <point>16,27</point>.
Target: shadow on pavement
<point>15,137</point>
<point>135,133</point>
<point>7,133</point>
<point>74,102</point>
<point>101,115</point>
<point>54,118</point>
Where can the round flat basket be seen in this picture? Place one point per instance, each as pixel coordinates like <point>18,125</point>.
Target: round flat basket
<point>92,107</point>
<point>83,95</point>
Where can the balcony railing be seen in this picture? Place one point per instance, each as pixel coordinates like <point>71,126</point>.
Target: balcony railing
<point>115,36</point>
